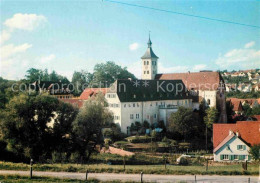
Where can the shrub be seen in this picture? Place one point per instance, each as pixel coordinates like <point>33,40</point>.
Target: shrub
<point>184,161</point>
<point>139,139</point>
<point>75,157</point>
<point>255,151</point>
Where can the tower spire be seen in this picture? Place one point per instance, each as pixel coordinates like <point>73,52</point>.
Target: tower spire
<point>149,41</point>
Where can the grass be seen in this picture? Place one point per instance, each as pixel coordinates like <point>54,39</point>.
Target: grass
<point>234,169</point>
<point>24,179</point>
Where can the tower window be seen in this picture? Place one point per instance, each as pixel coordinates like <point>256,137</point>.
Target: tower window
<point>144,72</point>
<point>147,72</point>
<point>144,62</point>
<point>147,62</point>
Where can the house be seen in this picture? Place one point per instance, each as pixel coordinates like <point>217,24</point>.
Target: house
<point>231,142</point>
<point>236,104</point>
<point>245,87</point>
<point>58,89</point>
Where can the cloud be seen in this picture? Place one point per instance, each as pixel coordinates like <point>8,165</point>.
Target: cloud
<point>199,67</point>
<point>133,46</point>
<point>162,69</point>
<point>11,50</point>
<point>47,59</point>
<point>25,21</point>
<point>4,36</point>
<point>243,57</point>
<point>250,44</point>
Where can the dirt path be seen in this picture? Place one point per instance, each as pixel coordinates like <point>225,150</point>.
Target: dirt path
<point>136,177</point>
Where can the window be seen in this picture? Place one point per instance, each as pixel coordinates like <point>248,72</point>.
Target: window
<point>144,72</point>
<point>133,104</point>
<point>137,104</point>
<point>147,62</point>
<point>147,72</point>
<point>137,116</point>
<point>125,105</point>
<point>208,101</point>
<point>225,157</point>
<point>155,116</point>
<point>144,62</point>
<point>131,116</point>
<point>235,157</point>
<point>241,147</point>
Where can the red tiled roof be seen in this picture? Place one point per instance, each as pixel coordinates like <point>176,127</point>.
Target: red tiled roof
<point>257,117</point>
<point>249,131</point>
<point>237,105</point>
<point>228,138</point>
<point>89,92</point>
<point>195,80</point>
<point>75,102</point>
<point>249,101</point>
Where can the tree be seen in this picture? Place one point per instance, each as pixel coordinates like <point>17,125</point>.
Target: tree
<point>247,110</point>
<point>255,152</point>
<point>256,110</point>
<point>209,119</point>
<point>109,72</point>
<point>88,124</point>
<point>81,80</point>
<point>26,124</point>
<point>182,121</point>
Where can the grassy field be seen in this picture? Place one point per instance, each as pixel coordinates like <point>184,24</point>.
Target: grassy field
<point>24,179</point>
<point>235,169</point>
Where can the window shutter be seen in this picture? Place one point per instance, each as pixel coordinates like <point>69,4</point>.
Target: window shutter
<point>221,157</point>
<point>244,147</point>
<point>237,147</point>
<point>230,157</point>
<point>249,157</point>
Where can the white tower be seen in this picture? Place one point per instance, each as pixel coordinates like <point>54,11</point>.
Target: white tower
<point>149,63</point>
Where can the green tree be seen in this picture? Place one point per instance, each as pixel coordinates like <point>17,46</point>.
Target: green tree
<point>247,110</point>
<point>256,110</point>
<point>81,80</point>
<point>26,124</point>
<point>106,73</point>
<point>255,152</point>
<point>182,121</point>
<point>88,125</point>
<point>209,119</point>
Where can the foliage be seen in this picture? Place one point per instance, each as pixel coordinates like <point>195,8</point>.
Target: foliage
<point>43,75</point>
<point>138,139</point>
<point>182,121</point>
<point>109,72</point>
<point>236,80</point>
<point>88,124</point>
<point>243,95</point>
<point>80,80</point>
<point>211,116</point>
<point>26,125</point>
<point>255,152</point>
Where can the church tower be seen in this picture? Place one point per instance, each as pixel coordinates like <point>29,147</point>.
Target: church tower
<point>149,63</point>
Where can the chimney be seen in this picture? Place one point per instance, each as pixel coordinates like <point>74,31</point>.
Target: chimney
<point>230,132</point>
<point>237,134</point>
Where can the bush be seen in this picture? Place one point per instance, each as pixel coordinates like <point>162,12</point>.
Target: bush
<point>184,161</point>
<point>255,151</point>
<point>75,157</point>
<point>139,139</point>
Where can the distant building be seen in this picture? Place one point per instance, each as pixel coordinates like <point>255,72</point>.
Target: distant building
<point>236,104</point>
<point>231,142</point>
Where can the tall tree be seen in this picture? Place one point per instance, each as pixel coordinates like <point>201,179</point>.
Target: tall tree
<point>89,123</point>
<point>183,121</point>
<point>81,80</point>
<point>209,119</point>
<point>26,124</point>
<point>106,74</point>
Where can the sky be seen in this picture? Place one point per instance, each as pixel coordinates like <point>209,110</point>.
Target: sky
<point>68,36</point>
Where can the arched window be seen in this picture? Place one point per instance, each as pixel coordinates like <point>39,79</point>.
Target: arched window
<point>208,101</point>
